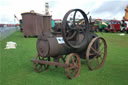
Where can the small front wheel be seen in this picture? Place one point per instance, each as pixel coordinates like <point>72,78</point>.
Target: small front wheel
<point>40,67</point>
<point>73,63</point>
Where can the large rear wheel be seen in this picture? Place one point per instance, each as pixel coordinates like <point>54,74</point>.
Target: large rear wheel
<point>96,53</point>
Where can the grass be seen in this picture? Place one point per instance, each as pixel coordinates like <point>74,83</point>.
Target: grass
<point>16,68</point>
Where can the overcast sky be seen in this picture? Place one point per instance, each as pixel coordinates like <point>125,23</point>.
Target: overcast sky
<point>104,9</point>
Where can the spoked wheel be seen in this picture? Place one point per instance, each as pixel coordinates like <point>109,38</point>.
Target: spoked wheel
<point>72,30</point>
<point>40,67</point>
<point>96,53</point>
<point>73,62</point>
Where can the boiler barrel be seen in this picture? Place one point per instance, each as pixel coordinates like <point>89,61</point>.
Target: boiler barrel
<point>51,45</point>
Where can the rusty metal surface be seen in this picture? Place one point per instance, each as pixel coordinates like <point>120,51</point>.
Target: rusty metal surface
<point>96,53</point>
<point>73,62</point>
<point>47,23</point>
<point>42,48</point>
<point>48,46</point>
<point>42,62</point>
<point>54,47</point>
<point>34,24</point>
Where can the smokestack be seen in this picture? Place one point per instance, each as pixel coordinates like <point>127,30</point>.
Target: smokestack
<point>47,9</point>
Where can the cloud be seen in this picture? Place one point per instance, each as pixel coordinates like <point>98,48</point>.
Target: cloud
<point>111,9</point>
<point>58,8</point>
<point>10,7</point>
<point>62,6</point>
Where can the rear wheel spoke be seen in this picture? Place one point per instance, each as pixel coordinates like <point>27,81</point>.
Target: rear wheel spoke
<point>94,50</point>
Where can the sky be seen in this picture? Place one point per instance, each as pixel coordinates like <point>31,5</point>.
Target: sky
<point>104,9</point>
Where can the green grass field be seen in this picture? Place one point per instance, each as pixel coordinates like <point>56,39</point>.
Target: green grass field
<point>17,69</point>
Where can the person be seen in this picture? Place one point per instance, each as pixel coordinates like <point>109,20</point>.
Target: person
<point>21,25</point>
<point>122,26</point>
<point>100,26</point>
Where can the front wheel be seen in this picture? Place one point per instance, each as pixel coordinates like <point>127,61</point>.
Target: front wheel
<point>73,63</point>
<point>40,67</point>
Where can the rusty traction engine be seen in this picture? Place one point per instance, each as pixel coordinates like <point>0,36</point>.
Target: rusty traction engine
<point>76,41</point>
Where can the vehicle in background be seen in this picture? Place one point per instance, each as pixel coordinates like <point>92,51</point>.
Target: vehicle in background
<point>113,26</point>
<point>1,25</point>
<point>21,25</point>
<point>9,25</point>
<point>100,25</point>
<point>96,25</point>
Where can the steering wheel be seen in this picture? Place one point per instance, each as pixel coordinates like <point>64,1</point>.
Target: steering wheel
<point>74,33</point>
